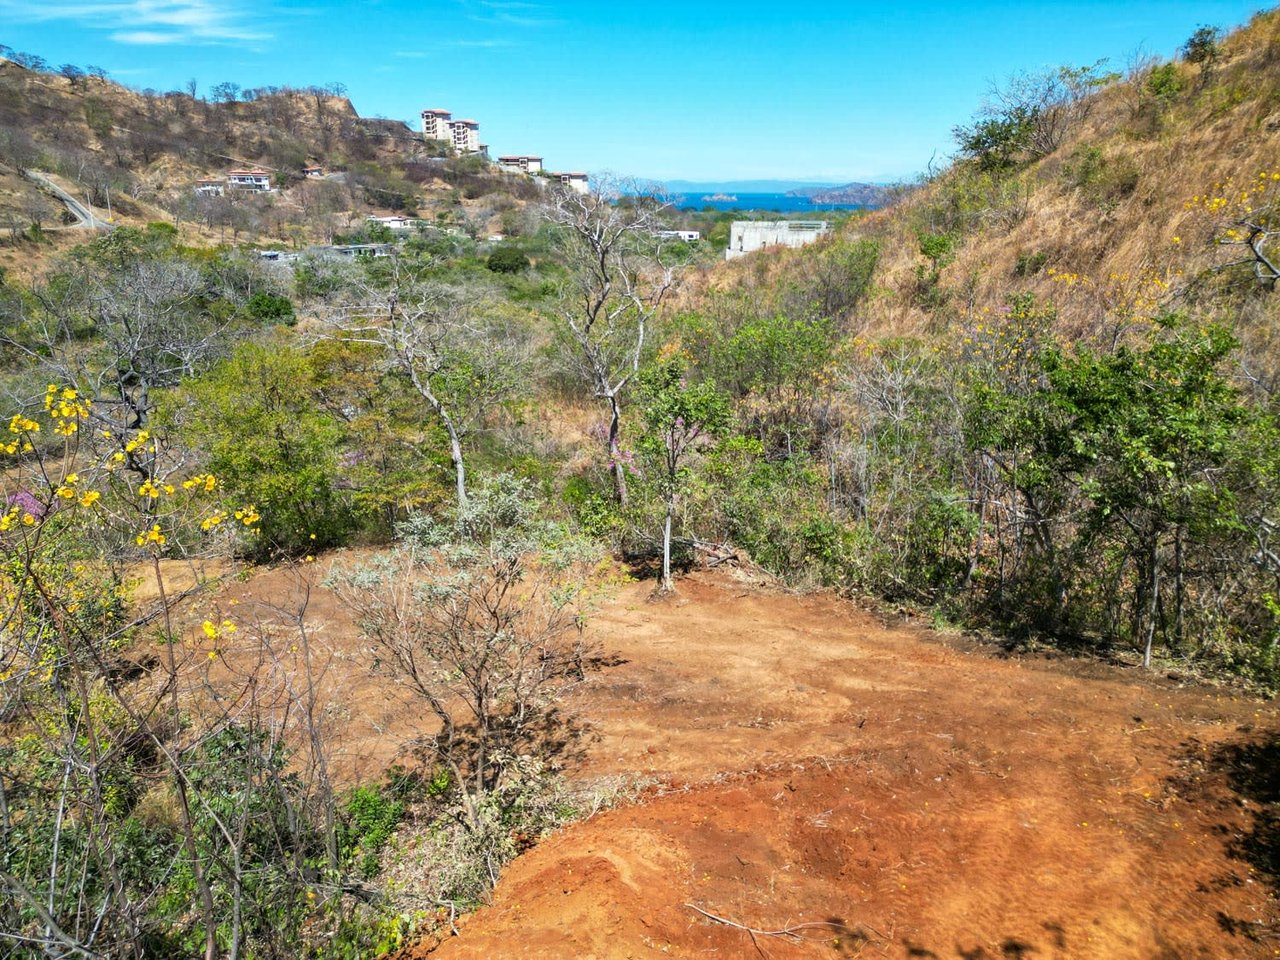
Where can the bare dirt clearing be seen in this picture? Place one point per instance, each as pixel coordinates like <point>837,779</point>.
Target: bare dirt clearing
<point>883,791</point>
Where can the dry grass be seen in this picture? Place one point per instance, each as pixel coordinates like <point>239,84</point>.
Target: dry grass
<point>1116,243</point>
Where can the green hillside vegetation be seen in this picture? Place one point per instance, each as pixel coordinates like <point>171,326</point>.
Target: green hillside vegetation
<point>1036,396</point>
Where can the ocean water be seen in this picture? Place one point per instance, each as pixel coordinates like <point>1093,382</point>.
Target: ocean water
<point>773,202</point>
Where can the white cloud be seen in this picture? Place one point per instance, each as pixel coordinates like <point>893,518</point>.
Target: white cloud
<point>146,37</point>
<point>146,21</point>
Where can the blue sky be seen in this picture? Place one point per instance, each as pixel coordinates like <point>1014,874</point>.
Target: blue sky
<point>662,89</point>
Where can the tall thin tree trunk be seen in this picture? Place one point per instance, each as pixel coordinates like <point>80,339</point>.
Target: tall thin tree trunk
<point>1179,590</point>
<point>1153,595</point>
<point>668,584</point>
<point>615,450</point>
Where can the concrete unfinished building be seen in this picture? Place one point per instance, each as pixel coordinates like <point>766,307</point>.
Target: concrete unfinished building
<point>746,236</point>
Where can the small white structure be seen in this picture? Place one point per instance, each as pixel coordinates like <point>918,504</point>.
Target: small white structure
<point>313,173</point>
<point>520,164</point>
<point>577,182</point>
<point>396,222</point>
<point>435,125</point>
<point>255,181</point>
<point>746,236</point>
<point>688,236</point>
<point>210,188</point>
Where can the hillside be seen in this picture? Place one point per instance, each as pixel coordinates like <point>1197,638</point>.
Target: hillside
<point>136,156</point>
<point>1111,217</point>
<point>863,194</point>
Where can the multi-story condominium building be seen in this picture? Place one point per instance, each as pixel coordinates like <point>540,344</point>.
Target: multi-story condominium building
<point>465,135</point>
<point>435,125</point>
<point>521,164</point>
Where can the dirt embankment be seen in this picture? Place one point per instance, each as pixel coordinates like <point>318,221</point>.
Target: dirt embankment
<point>877,792</point>
<point>888,792</point>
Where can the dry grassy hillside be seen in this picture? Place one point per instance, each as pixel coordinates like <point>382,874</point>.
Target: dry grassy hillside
<point>1105,226</point>
<point>142,152</point>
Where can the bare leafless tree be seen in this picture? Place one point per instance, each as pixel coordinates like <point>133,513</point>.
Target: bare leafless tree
<point>619,274</point>
<point>442,342</point>
<point>482,617</point>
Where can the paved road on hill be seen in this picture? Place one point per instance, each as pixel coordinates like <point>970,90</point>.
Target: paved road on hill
<point>86,218</point>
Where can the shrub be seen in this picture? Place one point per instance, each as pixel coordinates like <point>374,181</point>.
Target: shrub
<point>1165,82</point>
<point>270,308</point>
<point>1028,264</point>
<point>507,259</point>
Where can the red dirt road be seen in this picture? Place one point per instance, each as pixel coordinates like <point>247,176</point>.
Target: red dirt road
<point>887,793</point>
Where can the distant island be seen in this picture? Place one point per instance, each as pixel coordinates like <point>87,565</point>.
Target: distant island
<point>721,198</point>
<point>862,194</point>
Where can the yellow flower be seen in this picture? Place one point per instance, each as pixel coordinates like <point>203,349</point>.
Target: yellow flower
<point>90,498</point>
<point>151,536</point>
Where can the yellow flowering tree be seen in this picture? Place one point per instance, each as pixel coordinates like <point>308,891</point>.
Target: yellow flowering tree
<point>1244,216</point>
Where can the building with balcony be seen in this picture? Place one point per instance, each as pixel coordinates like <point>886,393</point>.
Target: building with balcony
<point>465,135</point>
<point>435,125</point>
<point>520,164</point>
<point>575,181</point>
<point>254,181</point>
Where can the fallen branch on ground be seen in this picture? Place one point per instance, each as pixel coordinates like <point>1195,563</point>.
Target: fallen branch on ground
<point>791,932</point>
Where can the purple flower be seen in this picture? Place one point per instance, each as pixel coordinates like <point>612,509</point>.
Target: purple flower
<point>26,503</point>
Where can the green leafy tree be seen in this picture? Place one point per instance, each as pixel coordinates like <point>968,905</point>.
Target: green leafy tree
<point>679,418</point>
<point>1204,48</point>
<point>1145,449</point>
<point>265,438</point>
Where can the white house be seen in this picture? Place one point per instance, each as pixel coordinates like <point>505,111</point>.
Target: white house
<point>313,173</point>
<point>396,222</point>
<point>255,180</point>
<point>577,182</point>
<point>520,164</point>
<point>746,236</point>
<point>210,188</point>
<point>688,236</point>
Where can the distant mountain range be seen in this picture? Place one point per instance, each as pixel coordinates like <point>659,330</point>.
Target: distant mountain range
<point>863,194</point>
<point>744,186</point>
